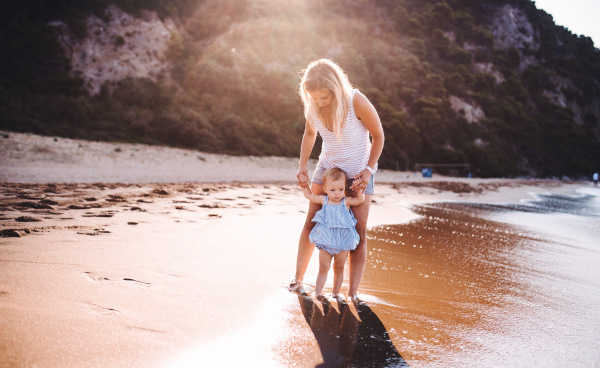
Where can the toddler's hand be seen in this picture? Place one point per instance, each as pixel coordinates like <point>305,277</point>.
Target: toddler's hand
<point>302,177</point>
<point>355,185</point>
<point>303,180</point>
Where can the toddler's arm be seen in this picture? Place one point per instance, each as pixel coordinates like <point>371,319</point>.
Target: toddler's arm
<point>318,199</point>
<point>302,180</point>
<point>358,200</point>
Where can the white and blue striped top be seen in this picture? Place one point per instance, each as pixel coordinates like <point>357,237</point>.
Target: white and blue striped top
<point>351,153</point>
<point>334,230</point>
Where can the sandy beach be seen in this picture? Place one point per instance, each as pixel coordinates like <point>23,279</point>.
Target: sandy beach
<point>122,255</point>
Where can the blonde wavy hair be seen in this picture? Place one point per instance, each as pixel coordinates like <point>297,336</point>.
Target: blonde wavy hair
<point>324,74</point>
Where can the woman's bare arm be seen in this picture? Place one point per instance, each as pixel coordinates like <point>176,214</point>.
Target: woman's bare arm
<point>308,142</point>
<point>365,111</point>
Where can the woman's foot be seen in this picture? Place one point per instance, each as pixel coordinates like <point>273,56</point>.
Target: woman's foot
<point>356,300</point>
<point>297,287</point>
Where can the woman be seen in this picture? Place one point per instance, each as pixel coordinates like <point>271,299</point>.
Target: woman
<point>344,118</point>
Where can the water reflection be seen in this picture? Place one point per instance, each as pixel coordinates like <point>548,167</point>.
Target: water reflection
<point>491,285</point>
<point>346,341</point>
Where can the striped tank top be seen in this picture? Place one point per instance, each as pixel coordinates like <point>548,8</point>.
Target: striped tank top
<point>351,153</point>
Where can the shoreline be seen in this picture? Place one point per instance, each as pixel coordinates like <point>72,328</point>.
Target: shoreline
<point>143,275</point>
<point>34,159</point>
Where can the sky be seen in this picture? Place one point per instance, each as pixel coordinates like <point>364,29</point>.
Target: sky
<point>579,16</point>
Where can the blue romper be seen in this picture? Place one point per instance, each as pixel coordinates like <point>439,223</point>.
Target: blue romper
<point>335,230</point>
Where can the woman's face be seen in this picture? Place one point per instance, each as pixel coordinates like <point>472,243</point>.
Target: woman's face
<point>322,97</point>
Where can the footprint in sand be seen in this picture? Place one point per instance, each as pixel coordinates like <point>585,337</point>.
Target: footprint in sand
<point>95,277</point>
<point>27,219</point>
<point>103,311</point>
<point>94,233</point>
<point>79,207</point>
<point>111,312</point>
<point>101,214</point>
<point>138,283</point>
<point>214,205</point>
<point>125,280</point>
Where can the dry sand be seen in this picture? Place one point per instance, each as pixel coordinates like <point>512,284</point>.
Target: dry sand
<point>152,275</point>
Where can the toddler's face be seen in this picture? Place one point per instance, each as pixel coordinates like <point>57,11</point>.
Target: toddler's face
<point>336,189</point>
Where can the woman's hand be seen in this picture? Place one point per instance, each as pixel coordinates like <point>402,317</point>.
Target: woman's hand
<point>361,181</point>
<point>302,177</point>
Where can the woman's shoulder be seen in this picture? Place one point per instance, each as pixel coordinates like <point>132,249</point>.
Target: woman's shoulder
<point>359,100</point>
<point>361,105</point>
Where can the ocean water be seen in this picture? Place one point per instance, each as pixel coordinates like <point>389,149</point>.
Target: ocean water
<point>476,285</point>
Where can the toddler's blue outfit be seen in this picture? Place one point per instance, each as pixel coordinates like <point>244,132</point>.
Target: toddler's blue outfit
<point>335,230</point>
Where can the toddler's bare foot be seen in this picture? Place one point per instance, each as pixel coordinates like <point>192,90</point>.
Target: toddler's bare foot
<point>340,299</point>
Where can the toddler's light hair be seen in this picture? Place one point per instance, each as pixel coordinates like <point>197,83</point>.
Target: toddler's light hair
<point>333,174</point>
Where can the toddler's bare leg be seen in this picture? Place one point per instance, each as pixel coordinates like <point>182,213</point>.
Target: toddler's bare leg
<point>358,257</point>
<point>305,248</point>
<point>324,264</point>
<point>339,260</point>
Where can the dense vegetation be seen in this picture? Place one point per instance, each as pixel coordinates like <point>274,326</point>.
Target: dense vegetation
<point>236,72</point>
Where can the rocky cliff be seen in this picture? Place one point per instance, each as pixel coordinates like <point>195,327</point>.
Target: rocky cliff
<point>124,47</point>
<point>493,83</point>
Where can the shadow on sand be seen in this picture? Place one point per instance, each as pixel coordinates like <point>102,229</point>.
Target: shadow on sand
<point>346,341</point>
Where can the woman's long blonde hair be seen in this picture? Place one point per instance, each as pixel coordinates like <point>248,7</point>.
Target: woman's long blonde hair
<point>324,74</point>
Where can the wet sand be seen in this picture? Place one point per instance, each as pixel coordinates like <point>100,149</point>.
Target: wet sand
<point>490,286</point>
<point>114,275</point>
<point>193,274</point>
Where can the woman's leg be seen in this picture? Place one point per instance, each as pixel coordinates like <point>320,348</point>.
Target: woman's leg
<point>305,248</point>
<point>339,260</point>
<point>358,257</point>
<point>324,265</point>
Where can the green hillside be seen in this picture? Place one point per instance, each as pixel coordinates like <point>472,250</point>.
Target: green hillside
<point>236,63</point>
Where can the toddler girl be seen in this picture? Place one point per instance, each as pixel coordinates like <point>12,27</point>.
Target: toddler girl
<point>334,233</point>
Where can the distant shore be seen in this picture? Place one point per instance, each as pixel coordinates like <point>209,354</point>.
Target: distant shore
<point>31,158</point>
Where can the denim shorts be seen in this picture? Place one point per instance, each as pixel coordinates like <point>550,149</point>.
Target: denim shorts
<point>318,179</point>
